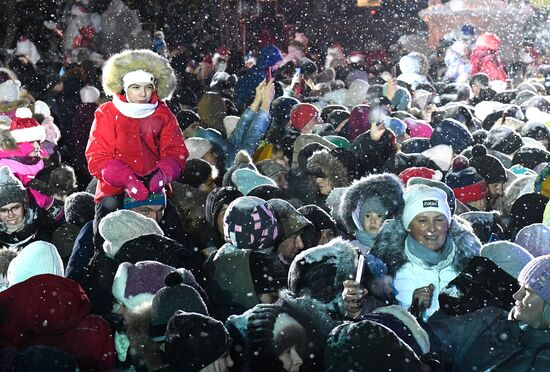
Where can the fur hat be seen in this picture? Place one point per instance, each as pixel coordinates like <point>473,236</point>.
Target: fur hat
<point>176,295</point>
<point>531,157</point>
<point>421,198</point>
<point>198,147</point>
<point>79,208</point>
<point>202,339</point>
<point>466,183</point>
<point>134,285</point>
<point>534,238</point>
<point>62,181</point>
<point>487,166</point>
<point>536,274</point>
<point>36,258</point>
<point>197,172</point>
<point>11,189</point>
<point>123,225</point>
<point>89,94</point>
<point>122,63</point>
<point>324,164</point>
<point>359,199</point>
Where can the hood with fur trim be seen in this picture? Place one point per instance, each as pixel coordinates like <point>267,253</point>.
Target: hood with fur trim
<point>322,162</point>
<point>316,274</point>
<point>131,60</point>
<point>387,188</point>
<point>389,245</point>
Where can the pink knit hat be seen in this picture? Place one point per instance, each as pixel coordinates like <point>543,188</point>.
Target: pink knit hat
<point>418,128</point>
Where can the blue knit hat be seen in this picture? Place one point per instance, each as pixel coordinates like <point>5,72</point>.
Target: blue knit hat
<point>153,199</point>
<point>247,179</point>
<point>468,186</point>
<point>395,125</point>
<point>453,133</point>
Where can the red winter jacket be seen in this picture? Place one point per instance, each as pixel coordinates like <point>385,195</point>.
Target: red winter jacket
<point>55,311</point>
<point>140,143</point>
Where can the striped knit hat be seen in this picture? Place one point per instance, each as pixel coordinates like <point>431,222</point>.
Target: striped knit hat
<point>466,183</point>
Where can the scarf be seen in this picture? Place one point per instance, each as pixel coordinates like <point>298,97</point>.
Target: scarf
<point>134,110</point>
<point>427,255</point>
<point>365,238</point>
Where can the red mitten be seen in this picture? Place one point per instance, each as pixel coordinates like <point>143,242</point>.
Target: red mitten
<point>168,170</point>
<point>117,173</point>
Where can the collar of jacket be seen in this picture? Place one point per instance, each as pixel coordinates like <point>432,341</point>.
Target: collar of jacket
<point>134,110</point>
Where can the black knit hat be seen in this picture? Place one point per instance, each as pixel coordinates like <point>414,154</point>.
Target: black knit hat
<point>194,341</point>
<point>530,157</point>
<point>337,116</point>
<point>79,208</point>
<point>415,145</point>
<point>175,296</point>
<point>327,110</point>
<point>186,118</point>
<point>217,199</point>
<point>318,217</point>
<point>196,172</point>
<point>503,139</point>
<point>535,130</point>
<point>361,345</point>
<point>480,136</point>
<point>527,210</point>
<point>487,166</point>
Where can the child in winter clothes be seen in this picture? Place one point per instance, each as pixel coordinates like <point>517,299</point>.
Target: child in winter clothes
<point>135,144</point>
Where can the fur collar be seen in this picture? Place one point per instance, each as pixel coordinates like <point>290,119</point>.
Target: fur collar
<point>143,350</point>
<point>389,245</point>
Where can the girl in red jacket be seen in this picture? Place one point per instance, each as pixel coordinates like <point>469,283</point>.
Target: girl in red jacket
<point>135,146</point>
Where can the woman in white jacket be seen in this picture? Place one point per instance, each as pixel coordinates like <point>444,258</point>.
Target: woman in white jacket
<point>424,249</point>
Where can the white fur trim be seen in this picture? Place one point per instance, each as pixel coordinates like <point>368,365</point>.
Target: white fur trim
<point>37,133</point>
<point>408,320</point>
<point>23,113</point>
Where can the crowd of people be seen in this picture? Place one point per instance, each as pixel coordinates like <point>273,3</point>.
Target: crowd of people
<point>287,211</point>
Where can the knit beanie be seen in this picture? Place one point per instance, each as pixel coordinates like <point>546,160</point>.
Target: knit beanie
<point>198,147</point>
<point>488,167</point>
<point>466,183</point>
<point>421,198</point>
<point>420,172</point>
<point>89,94</point>
<point>216,199</point>
<point>247,179</point>
<point>419,129</point>
<point>397,126</point>
<point>173,297</point>
<point>37,258</point>
<point>415,145</point>
<point>194,341</point>
<point>527,209</point>
<point>531,157</point>
<point>79,208</point>
<point>509,256</point>
<point>197,172</point>
<point>503,139</point>
<point>453,133</point>
<point>270,168</point>
<point>320,219</point>
<point>534,238</point>
<point>186,118</point>
<point>134,285</point>
<point>250,223</point>
<point>154,198</point>
<point>536,274</point>
<point>11,189</point>
<point>451,200</point>
<point>358,121</point>
<point>301,114</point>
<point>339,141</point>
<point>355,346</point>
<point>123,225</point>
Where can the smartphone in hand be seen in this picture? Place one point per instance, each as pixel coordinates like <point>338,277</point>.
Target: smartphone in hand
<point>360,266</point>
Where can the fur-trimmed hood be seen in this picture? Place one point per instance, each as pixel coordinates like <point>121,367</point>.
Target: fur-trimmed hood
<point>131,60</point>
<point>324,163</point>
<point>389,245</point>
<point>386,187</point>
<point>338,255</point>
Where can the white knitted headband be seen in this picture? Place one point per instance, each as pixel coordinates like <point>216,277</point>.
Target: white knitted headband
<point>137,76</point>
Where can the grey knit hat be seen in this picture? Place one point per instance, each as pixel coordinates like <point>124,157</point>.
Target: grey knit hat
<point>11,189</point>
<point>123,225</point>
<point>509,256</point>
